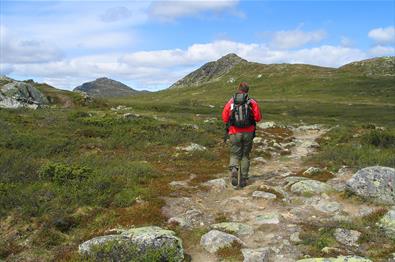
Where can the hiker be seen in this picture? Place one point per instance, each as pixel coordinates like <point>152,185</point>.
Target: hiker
<point>240,115</point>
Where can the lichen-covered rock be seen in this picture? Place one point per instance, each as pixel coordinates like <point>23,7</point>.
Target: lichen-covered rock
<point>375,183</point>
<point>338,259</point>
<point>347,237</point>
<point>20,94</point>
<point>387,223</point>
<point>238,229</point>
<point>255,255</point>
<point>310,187</point>
<point>216,240</point>
<point>144,243</point>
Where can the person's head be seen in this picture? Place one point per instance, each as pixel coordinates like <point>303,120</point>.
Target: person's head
<point>243,87</point>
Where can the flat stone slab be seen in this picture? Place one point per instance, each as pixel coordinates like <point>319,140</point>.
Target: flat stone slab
<point>271,218</point>
<point>263,195</point>
<point>310,187</point>
<point>236,228</point>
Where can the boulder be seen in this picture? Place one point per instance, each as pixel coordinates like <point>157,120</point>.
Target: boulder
<point>375,183</point>
<point>347,237</point>
<point>215,240</point>
<point>310,187</point>
<point>20,94</point>
<point>255,255</point>
<point>387,223</point>
<point>338,259</point>
<point>238,229</point>
<point>144,243</point>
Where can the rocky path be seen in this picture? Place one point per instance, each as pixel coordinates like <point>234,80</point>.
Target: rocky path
<point>266,216</point>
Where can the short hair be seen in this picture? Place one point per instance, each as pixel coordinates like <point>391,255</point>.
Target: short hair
<point>243,86</point>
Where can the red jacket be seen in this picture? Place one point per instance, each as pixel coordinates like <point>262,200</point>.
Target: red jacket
<point>226,114</point>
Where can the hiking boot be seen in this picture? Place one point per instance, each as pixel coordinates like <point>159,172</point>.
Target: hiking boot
<point>234,176</point>
<point>243,181</point>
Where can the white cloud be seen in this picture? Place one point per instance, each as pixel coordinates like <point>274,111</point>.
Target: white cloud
<point>296,38</point>
<point>380,50</point>
<point>346,42</point>
<point>170,9</point>
<point>161,68</point>
<point>383,36</point>
<point>15,50</point>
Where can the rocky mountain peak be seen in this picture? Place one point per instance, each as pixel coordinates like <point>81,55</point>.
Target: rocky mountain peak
<point>210,71</point>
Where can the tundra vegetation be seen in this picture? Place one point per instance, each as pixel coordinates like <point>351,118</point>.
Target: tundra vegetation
<point>70,173</point>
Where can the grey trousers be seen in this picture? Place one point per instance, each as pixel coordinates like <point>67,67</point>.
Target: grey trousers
<point>240,148</point>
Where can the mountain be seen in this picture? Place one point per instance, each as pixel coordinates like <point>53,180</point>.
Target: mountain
<point>105,87</point>
<point>210,71</point>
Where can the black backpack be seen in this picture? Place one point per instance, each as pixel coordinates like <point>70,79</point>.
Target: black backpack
<point>241,115</point>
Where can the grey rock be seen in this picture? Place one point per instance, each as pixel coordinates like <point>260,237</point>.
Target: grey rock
<point>327,206</point>
<point>238,229</point>
<point>215,240</point>
<point>263,195</point>
<point>310,187</point>
<point>375,183</point>
<point>192,147</point>
<point>20,94</point>
<point>347,237</point>
<point>312,171</point>
<point>256,255</point>
<point>191,218</point>
<point>294,238</point>
<point>134,244</point>
<point>218,183</point>
<point>271,218</point>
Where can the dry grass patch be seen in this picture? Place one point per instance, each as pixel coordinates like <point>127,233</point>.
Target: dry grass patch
<point>231,253</point>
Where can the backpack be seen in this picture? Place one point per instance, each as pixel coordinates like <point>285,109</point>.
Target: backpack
<point>241,115</point>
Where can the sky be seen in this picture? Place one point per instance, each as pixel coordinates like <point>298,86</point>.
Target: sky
<point>151,44</point>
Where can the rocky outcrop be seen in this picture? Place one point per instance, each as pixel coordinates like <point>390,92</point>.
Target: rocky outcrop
<point>210,71</point>
<point>374,183</point>
<point>374,66</point>
<point>145,244</point>
<point>20,94</point>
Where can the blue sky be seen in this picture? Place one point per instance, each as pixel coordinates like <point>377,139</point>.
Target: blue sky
<point>151,44</point>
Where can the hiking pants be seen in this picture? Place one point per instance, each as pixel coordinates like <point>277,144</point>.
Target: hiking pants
<point>240,148</point>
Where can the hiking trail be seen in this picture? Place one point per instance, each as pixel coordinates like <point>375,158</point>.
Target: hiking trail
<point>271,211</point>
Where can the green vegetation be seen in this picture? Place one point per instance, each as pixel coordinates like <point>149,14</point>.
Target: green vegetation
<point>74,170</point>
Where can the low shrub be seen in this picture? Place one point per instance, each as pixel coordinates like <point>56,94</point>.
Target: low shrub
<point>61,173</point>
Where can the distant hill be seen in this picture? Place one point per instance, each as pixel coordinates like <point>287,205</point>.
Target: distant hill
<point>210,71</point>
<point>105,87</point>
<point>383,66</point>
<point>232,68</point>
